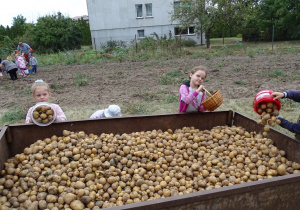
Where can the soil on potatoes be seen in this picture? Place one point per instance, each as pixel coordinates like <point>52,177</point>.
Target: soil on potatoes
<point>134,81</point>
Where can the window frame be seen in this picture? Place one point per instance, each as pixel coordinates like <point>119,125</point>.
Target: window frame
<point>177,31</point>
<point>148,4</point>
<point>138,33</point>
<point>139,6</point>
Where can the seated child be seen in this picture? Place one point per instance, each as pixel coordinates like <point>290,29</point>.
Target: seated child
<point>41,93</point>
<point>111,111</point>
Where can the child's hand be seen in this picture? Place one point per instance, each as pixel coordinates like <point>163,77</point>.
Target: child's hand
<point>277,95</point>
<point>200,89</point>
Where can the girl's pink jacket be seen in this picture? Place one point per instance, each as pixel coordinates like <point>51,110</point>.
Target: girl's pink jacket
<point>185,99</point>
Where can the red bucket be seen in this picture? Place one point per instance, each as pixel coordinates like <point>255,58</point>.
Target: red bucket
<point>264,96</point>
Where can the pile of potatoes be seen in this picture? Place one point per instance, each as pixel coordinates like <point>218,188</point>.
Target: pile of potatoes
<point>268,112</point>
<point>43,114</point>
<point>78,170</point>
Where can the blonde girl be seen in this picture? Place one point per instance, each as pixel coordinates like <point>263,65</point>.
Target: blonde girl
<point>41,93</point>
<point>21,63</point>
<point>191,93</point>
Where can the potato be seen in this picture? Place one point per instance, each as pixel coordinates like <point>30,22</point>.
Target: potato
<point>43,108</point>
<point>281,169</point>
<point>49,111</point>
<point>35,114</point>
<point>43,114</point>
<point>270,104</point>
<point>263,106</point>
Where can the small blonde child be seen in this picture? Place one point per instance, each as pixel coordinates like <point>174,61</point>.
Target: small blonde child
<point>41,93</point>
<point>191,93</point>
<point>21,63</point>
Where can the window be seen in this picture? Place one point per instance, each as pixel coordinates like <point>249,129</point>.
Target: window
<point>184,31</point>
<point>148,10</point>
<point>139,10</point>
<point>176,3</point>
<point>176,7</point>
<point>141,34</point>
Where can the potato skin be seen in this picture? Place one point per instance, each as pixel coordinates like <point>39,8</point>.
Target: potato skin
<point>43,114</point>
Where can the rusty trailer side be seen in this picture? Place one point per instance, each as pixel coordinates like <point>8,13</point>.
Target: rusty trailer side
<point>275,193</point>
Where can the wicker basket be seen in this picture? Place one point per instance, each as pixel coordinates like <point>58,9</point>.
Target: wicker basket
<point>213,101</point>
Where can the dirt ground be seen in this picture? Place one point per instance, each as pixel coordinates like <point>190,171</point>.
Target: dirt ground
<point>131,82</point>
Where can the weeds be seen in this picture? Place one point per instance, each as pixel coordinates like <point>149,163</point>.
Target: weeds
<point>14,115</point>
<point>135,109</point>
<point>55,86</point>
<point>82,79</point>
<point>170,99</point>
<point>171,78</point>
<point>240,82</point>
<point>276,73</point>
<point>250,52</point>
<point>237,68</point>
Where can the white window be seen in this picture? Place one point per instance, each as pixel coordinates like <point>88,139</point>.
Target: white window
<point>139,10</point>
<point>148,10</point>
<point>184,31</point>
<point>141,34</point>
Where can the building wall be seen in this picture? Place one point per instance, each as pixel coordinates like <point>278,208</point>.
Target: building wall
<point>117,20</point>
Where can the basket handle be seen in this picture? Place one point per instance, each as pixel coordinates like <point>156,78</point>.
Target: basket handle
<point>207,92</point>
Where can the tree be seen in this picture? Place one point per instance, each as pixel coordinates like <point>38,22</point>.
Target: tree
<point>284,14</point>
<point>54,33</point>
<point>207,14</point>
<point>85,30</point>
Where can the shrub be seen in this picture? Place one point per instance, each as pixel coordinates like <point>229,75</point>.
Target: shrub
<point>188,42</point>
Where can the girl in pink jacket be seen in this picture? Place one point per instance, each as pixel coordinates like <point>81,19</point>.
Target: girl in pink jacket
<point>21,63</point>
<point>191,93</point>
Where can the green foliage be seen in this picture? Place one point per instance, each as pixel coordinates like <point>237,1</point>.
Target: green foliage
<point>276,73</point>
<point>82,79</point>
<point>170,99</point>
<point>14,115</point>
<point>135,109</point>
<point>239,36</point>
<point>249,52</point>
<point>84,27</point>
<point>119,53</point>
<point>240,82</point>
<point>55,86</point>
<point>238,68</point>
<point>112,45</point>
<point>171,77</point>
<point>54,33</point>
<point>188,42</point>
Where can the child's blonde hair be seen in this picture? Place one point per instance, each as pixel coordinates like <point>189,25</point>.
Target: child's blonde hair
<point>197,68</point>
<point>39,83</point>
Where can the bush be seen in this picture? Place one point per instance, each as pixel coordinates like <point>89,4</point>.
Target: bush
<point>188,42</point>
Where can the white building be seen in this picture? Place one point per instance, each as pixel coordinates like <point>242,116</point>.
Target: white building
<point>130,20</point>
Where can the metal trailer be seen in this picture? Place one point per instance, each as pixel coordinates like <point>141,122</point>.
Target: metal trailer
<point>282,192</point>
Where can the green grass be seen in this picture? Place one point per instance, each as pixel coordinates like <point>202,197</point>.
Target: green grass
<point>276,73</point>
<point>240,82</point>
<point>171,77</point>
<point>14,115</point>
<point>82,79</point>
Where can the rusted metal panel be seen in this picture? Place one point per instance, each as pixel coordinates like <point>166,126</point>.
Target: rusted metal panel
<point>275,193</point>
<point>4,151</point>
